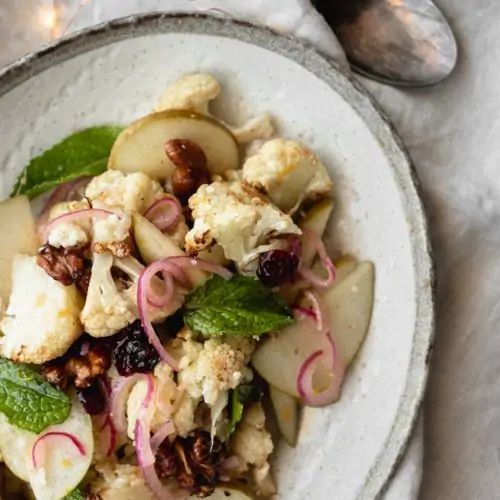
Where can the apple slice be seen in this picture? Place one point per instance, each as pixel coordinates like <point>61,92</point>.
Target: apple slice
<point>154,245</point>
<point>315,220</point>
<point>349,303</point>
<point>13,438</point>
<point>286,411</point>
<point>141,146</point>
<point>19,236</point>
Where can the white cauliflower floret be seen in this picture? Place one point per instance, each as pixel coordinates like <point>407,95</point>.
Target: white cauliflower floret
<point>112,233</point>
<point>120,482</point>
<point>69,234</point>
<point>288,172</point>
<point>42,318</point>
<point>184,418</point>
<point>216,370</point>
<point>260,127</point>
<point>238,218</point>
<point>251,440</point>
<point>192,92</point>
<point>109,308</point>
<point>129,192</point>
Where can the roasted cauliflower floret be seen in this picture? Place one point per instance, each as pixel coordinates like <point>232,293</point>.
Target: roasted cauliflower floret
<point>111,306</point>
<point>42,318</point>
<point>120,482</point>
<point>128,192</point>
<point>192,92</point>
<point>251,440</point>
<point>238,218</point>
<point>112,233</point>
<point>288,172</point>
<point>260,127</point>
<point>69,234</point>
<point>107,309</point>
<point>217,369</point>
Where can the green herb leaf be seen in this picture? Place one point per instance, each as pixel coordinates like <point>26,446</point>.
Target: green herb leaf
<point>242,396</point>
<point>82,154</point>
<point>28,401</point>
<point>76,494</point>
<point>239,306</point>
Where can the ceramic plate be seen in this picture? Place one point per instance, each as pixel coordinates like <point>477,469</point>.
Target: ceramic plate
<point>116,71</point>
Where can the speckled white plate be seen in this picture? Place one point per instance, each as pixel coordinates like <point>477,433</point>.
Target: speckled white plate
<point>116,71</point>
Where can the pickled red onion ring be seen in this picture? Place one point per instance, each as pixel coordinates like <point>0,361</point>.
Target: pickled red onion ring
<point>160,435</point>
<point>95,213</point>
<point>145,295</point>
<point>164,213</point>
<point>309,274</point>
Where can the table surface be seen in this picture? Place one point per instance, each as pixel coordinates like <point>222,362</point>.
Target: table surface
<point>452,133</point>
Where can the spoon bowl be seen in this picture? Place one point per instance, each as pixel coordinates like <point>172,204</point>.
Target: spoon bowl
<point>400,42</point>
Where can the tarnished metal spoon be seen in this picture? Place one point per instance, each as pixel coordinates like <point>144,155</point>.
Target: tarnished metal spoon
<point>400,42</point>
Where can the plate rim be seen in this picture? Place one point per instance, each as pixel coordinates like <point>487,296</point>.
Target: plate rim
<point>379,124</point>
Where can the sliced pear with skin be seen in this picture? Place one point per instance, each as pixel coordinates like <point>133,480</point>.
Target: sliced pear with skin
<point>141,146</point>
<point>19,236</point>
<point>154,245</point>
<point>316,219</point>
<point>287,414</point>
<point>278,358</point>
<point>349,304</point>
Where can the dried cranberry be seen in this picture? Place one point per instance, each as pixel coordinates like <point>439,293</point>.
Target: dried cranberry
<point>133,353</point>
<point>276,267</point>
<point>92,399</point>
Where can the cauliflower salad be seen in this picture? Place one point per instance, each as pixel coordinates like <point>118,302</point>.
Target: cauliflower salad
<point>170,308</point>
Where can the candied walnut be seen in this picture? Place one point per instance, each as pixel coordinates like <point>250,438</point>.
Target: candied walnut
<point>191,167</point>
<point>66,265</point>
<point>82,364</point>
<point>194,461</point>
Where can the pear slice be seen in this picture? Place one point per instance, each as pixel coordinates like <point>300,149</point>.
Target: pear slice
<point>349,303</point>
<point>141,146</point>
<point>19,236</point>
<point>316,219</point>
<point>287,414</point>
<point>63,467</point>
<point>154,245</point>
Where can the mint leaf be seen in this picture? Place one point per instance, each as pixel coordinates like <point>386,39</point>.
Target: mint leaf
<point>239,306</point>
<point>84,153</point>
<point>76,494</point>
<point>28,401</point>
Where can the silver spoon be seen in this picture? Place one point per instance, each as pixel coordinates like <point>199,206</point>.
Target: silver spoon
<point>401,42</point>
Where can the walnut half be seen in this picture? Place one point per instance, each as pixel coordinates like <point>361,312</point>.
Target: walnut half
<point>66,265</point>
<point>191,170</point>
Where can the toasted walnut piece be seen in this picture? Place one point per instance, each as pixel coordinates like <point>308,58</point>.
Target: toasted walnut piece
<point>194,461</point>
<point>191,167</point>
<point>81,365</point>
<point>66,265</point>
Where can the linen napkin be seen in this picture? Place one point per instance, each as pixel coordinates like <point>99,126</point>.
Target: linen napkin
<point>31,23</point>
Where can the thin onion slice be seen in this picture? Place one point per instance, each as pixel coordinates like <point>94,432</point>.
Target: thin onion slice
<point>304,311</point>
<point>54,434</point>
<point>145,453</point>
<point>146,297</point>
<point>67,191</point>
<point>160,435</point>
<point>327,263</point>
<point>94,213</point>
<point>119,394</point>
<point>319,312</point>
<point>309,395</point>
<point>164,213</point>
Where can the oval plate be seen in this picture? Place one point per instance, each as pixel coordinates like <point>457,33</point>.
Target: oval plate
<point>114,73</point>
